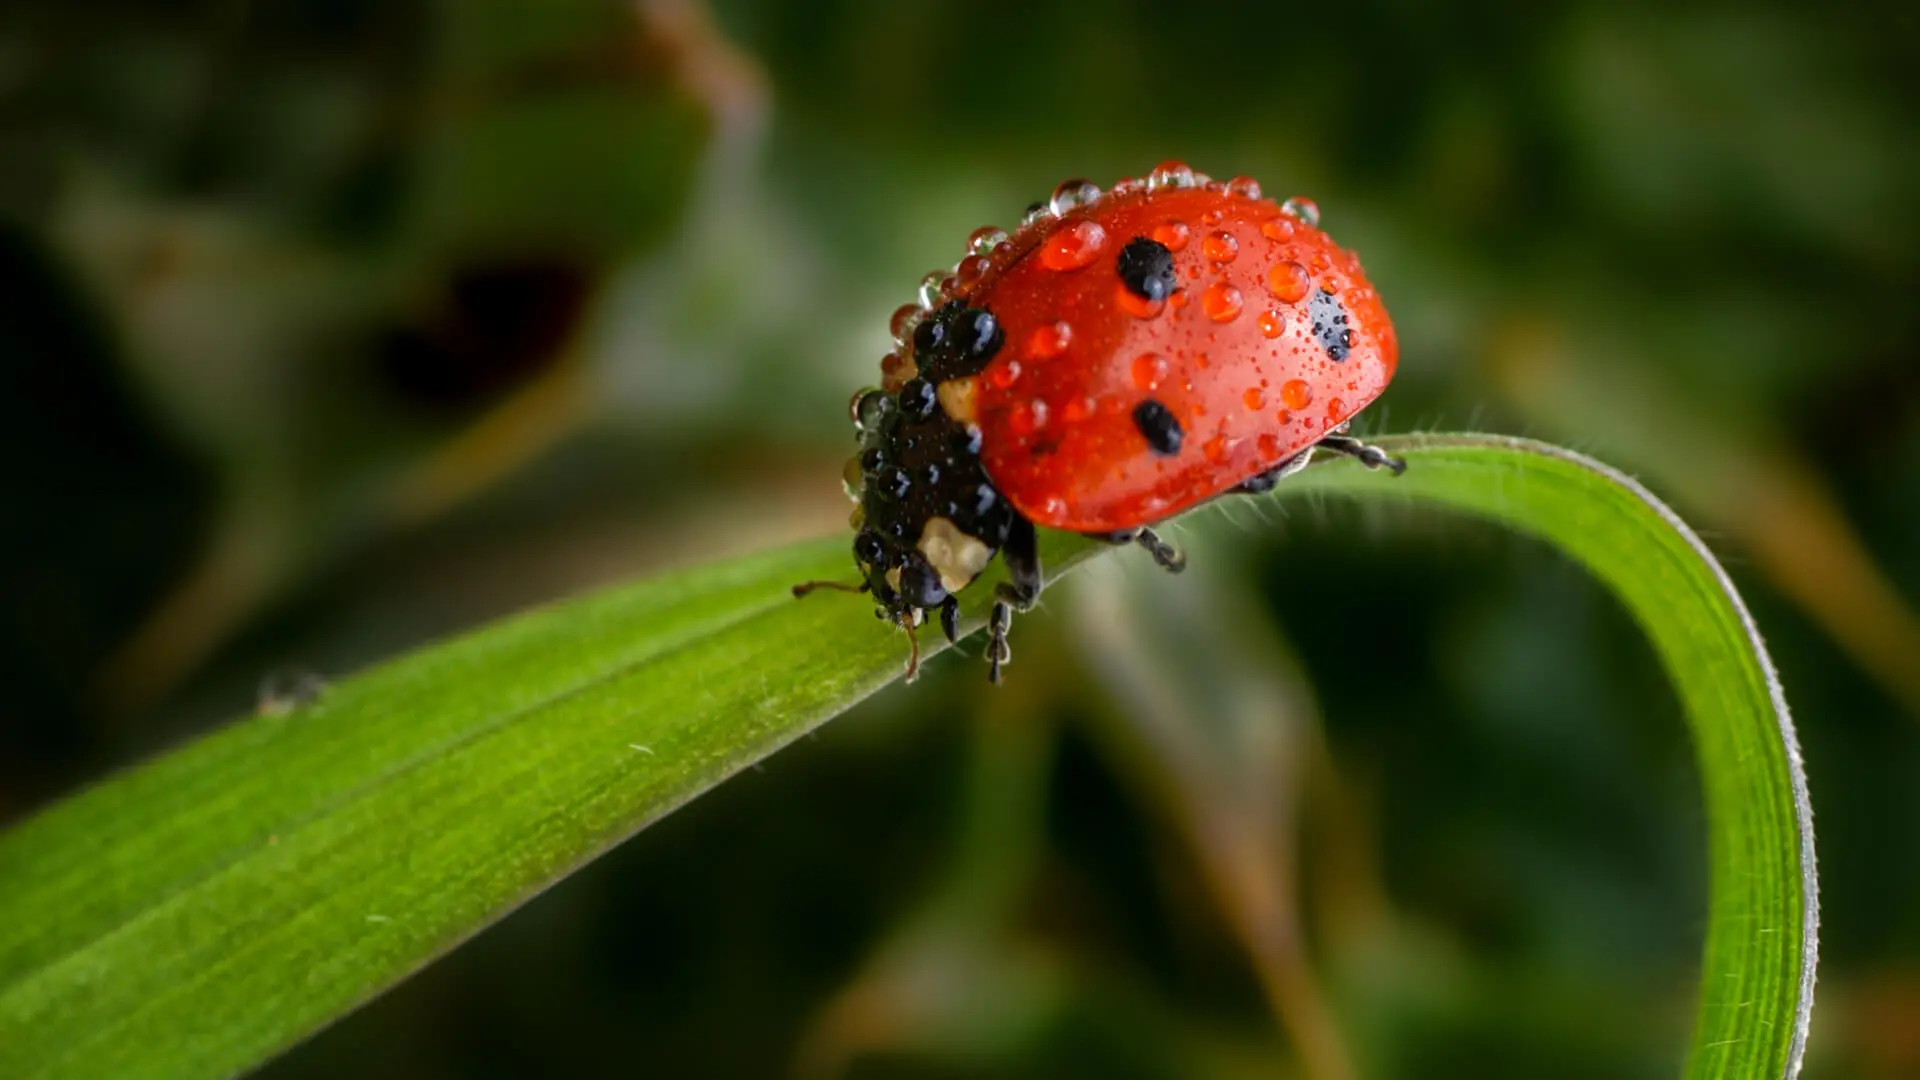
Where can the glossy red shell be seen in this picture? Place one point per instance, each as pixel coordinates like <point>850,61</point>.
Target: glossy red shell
<point>1232,353</point>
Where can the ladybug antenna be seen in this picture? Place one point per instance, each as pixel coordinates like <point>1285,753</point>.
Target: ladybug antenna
<point>806,587</point>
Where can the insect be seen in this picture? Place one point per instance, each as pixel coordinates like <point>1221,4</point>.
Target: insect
<point>1119,357</point>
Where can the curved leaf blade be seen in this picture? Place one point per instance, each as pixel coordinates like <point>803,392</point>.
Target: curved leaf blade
<point>199,914</point>
<point>1756,985</point>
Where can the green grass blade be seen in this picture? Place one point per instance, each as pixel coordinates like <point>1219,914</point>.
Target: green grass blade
<point>1756,982</point>
<point>197,915</point>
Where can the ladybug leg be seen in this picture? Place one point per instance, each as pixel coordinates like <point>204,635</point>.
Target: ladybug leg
<point>950,619</point>
<point>1264,482</point>
<point>806,587</point>
<point>907,623</point>
<point>1170,558</point>
<point>1371,456</point>
<point>1022,554</point>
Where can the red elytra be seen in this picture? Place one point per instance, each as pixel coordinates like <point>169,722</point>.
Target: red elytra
<point>1231,353</point>
<point>1121,357</point>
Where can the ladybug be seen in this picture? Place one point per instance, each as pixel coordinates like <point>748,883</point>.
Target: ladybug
<point>1120,357</point>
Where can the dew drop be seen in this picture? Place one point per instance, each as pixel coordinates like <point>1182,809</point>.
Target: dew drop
<point>1221,302</point>
<point>1215,449</point>
<point>1049,340</point>
<point>1171,234</point>
<point>1140,307</point>
<point>929,294</point>
<point>1279,228</point>
<point>1074,246</point>
<point>1037,214</point>
<point>1170,174</point>
<point>1254,398</point>
<point>1335,408</point>
<point>985,239</point>
<point>971,270</point>
<point>1269,446</point>
<point>1027,417</point>
<point>1303,208</point>
<point>1272,323</point>
<point>1071,195</point>
<point>1213,217</point>
<point>1295,394</point>
<point>1148,370</point>
<point>1005,374</point>
<point>896,369</point>
<point>1077,410</point>
<point>1289,281</point>
<point>905,318</point>
<point>1220,246</point>
<point>1246,187</point>
<point>1179,298</point>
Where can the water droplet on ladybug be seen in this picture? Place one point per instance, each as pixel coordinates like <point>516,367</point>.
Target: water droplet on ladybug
<point>1140,307</point>
<point>929,293</point>
<point>1272,323</point>
<point>905,318</point>
<point>1037,214</point>
<point>1221,302</point>
<point>1215,449</point>
<point>1027,417</point>
<point>1279,228</point>
<point>852,479</point>
<point>971,270</point>
<point>1295,394</point>
<point>1049,340</point>
<point>870,408</point>
<point>1213,217</point>
<point>985,239</point>
<point>1254,398</point>
<point>1268,445</point>
<point>869,549</point>
<point>1005,374</point>
<point>1220,247</point>
<point>1335,409</point>
<point>918,399</point>
<point>1078,409</point>
<point>1246,187</point>
<point>1148,370</point>
<point>1171,234</point>
<point>1303,208</point>
<point>1288,281</point>
<point>1071,195</point>
<point>1074,246</point>
<point>893,483</point>
<point>1170,174</point>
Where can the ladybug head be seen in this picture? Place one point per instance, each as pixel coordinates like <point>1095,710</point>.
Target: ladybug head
<point>929,519</point>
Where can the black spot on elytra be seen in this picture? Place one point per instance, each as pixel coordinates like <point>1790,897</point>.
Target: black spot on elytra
<point>1146,268</point>
<point>1330,327</point>
<point>956,341</point>
<point>1158,425</point>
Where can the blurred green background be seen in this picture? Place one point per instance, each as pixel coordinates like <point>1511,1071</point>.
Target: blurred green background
<point>333,326</point>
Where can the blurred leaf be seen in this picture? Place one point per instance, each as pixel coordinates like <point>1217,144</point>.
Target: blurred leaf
<point>1209,715</point>
<point>1780,509</point>
<point>197,915</point>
